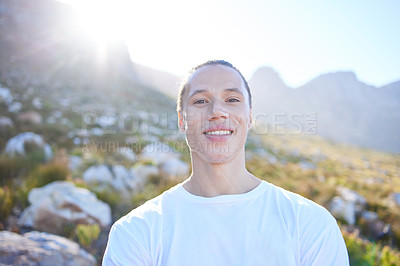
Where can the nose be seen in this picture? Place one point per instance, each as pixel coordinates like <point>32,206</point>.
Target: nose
<point>217,112</point>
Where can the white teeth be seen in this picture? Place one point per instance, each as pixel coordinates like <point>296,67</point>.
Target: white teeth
<point>218,132</point>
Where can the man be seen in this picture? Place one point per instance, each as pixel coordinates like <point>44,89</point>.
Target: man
<point>222,214</point>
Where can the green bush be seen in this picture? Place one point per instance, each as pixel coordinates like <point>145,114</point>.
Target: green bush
<point>10,168</point>
<point>362,252</point>
<point>87,233</point>
<point>47,173</point>
<point>6,202</point>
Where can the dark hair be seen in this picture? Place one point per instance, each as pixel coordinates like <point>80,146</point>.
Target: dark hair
<point>185,81</point>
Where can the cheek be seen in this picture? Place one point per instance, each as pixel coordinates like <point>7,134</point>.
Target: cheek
<point>193,122</point>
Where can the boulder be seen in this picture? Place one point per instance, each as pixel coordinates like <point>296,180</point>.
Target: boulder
<point>31,117</point>
<point>158,153</point>
<point>150,138</point>
<point>348,205</point>
<point>175,169</point>
<point>101,177</point>
<point>6,96</point>
<point>96,131</point>
<point>98,174</point>
<point>123,180</point>
<point>396,198</point>
<point>375,229</point>
<point>142,172</point>
<point>342,209</point>
<point>15,107</point>
<point>127,153</point>
<point>353,197</point>
<point>307,165</point>
<point>369,216</point>
<point>61,203</point>
<point>37,103</point>
<point>39,248</point>
<point>6,122</point>
<point>74,162</point>
<point>16,145</point>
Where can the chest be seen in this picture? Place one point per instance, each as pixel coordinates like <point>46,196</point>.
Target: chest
<point>223,235</point>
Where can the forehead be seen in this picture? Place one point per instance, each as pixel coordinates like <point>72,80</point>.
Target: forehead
<point>215,77</point>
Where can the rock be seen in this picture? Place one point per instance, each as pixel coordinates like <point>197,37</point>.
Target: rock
<point>77,141</point>
<point>376,229</point>
<point>117,176</point>
<point>396,198</point>
<point>369,216</point>
<point>37,103</point>
<point>98,174</point>
<point>54,117</point>
<point>131,139</point>
<point>106,121</point>
<point>31,117</point>
<point>175,168</point>
<point>347,205</point>
<point>127,153</point>
<point>123,179</point>
<point>142,172</point>
<point>353,197</point>
<point>15,107</point>
<point>341,209</point>
<point>6,96</point>
<point>36,248</point>
<point>150,138</point>
<point>373,180</point>
<point>60,203</point>
<point>6,122</point>
<point>74,162</point>
<point>307,165</point>
<point>157,153</point>
<point>16,145</point>
<point>96,131</point>
<point>177,137</point>
<point>271,158</point>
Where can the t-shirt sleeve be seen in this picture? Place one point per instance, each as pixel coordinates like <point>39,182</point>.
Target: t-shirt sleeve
<point>124,249</point>
<point>321,241</point>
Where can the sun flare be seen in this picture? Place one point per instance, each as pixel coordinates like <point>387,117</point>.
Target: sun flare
<point>104,21</point>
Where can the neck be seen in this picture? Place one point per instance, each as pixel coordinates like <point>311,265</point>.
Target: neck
<point>211,179</point>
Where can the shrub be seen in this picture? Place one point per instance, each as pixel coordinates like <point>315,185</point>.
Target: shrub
<point>87,233</point>
<point>362,252</point>
<point>10,168</point>
<point>47,173</point>
<point>6,202</point>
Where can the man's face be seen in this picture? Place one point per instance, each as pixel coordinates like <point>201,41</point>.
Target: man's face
<point>216,115</point>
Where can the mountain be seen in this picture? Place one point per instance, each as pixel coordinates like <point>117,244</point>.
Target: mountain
<point>341,108</point>
<point>41,50</point>
<point>162,81</point>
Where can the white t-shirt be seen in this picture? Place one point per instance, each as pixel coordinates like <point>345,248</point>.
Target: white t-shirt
<point>265,226</point>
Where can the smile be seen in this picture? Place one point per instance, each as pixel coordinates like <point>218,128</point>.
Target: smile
<point>219,132</point>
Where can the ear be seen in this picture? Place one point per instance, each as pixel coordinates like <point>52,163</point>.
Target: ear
<point>181,122</point>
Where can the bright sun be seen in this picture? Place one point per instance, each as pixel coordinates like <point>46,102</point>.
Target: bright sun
<point>105,21</point>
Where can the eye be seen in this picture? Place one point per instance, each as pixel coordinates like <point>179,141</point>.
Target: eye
<point>232,100</point>
<point>201,101</point>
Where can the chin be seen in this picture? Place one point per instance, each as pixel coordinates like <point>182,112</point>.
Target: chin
<point>216,158</point>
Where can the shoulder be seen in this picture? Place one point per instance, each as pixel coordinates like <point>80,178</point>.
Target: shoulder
<point>133,238</point>
<point>149,213</point>
<point>301,216</point>
<point>319,237</point>
<point>296,203</point>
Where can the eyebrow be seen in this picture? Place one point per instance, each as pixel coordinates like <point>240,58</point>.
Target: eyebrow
<point>205,90</point>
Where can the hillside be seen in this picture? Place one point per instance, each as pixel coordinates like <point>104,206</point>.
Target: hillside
<point>81,145</point>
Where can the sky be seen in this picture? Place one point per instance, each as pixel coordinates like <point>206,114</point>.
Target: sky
<point>299,39</point>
